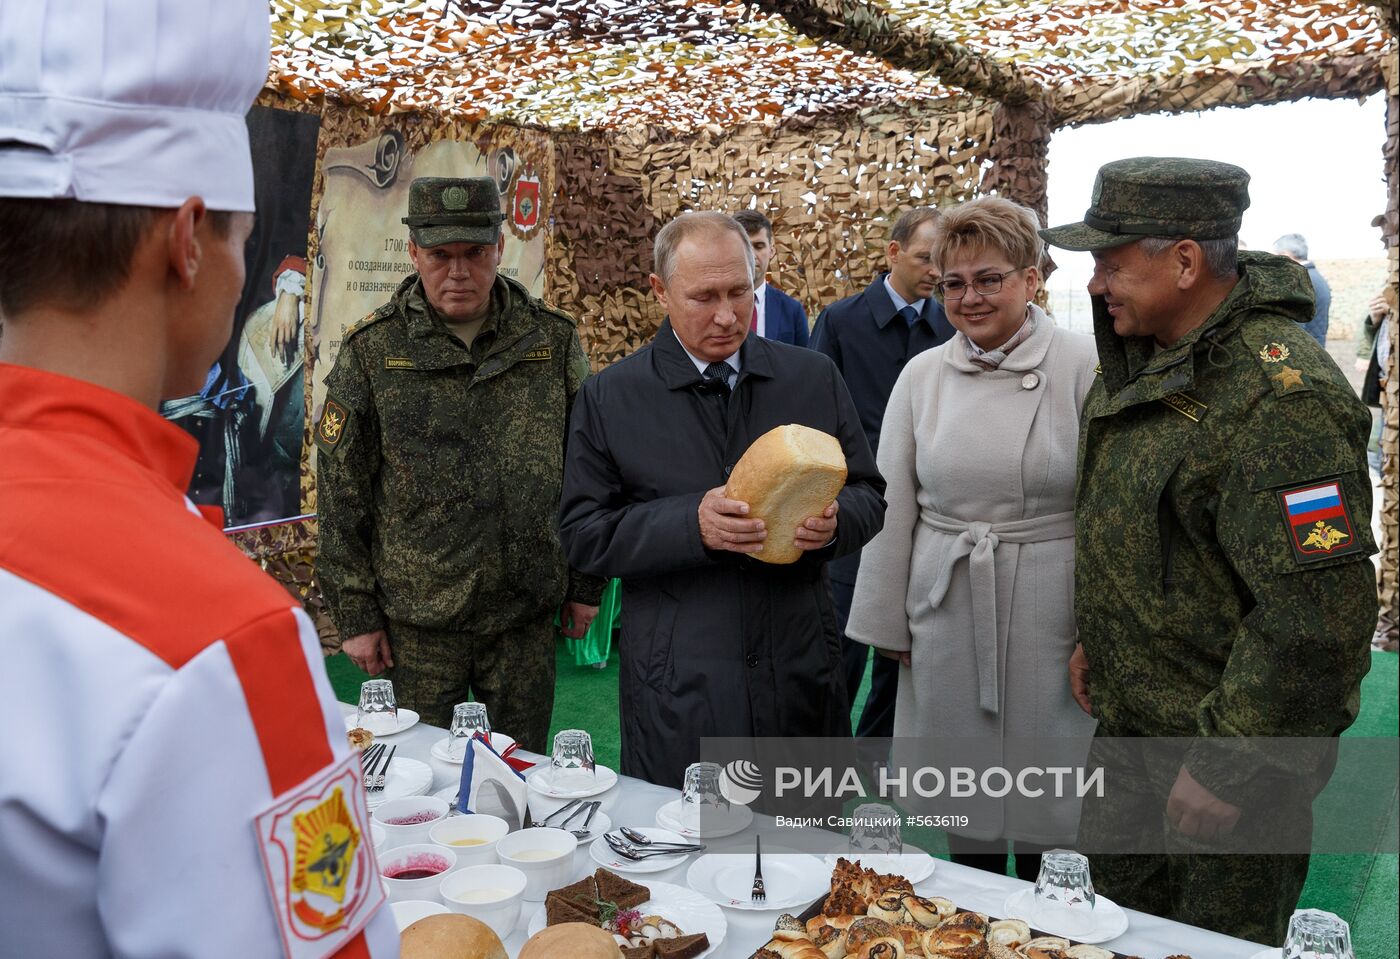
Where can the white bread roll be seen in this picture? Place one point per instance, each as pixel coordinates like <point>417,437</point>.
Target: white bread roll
<point>786,475</point>
<point>576,940</point>
<point>450,936</point>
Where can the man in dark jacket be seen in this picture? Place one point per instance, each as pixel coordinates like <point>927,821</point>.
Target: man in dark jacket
<point>714,643</point>
<point>1295,247</point>
<point>1223,589</point>
<point>777,315</point>
<point>870,336</point>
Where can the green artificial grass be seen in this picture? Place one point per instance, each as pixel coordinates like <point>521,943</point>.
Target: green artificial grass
<point>1360,888</point>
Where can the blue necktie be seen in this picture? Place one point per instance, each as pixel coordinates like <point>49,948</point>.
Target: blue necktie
<point>911,315</point>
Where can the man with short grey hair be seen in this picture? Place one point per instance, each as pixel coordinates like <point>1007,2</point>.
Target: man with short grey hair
<point>1295,247</point>
<point>1223,589</point>
<point>714,643</point>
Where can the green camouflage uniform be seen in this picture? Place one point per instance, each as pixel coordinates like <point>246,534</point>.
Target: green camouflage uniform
<point>1203,612</point>
<point>438,481</point>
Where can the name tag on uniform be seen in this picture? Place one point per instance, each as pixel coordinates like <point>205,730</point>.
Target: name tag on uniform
<point>539,353</point>
<point>1188,406</point>
<point>398,363</point>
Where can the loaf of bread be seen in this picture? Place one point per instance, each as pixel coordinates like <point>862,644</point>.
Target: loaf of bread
<point>450,936</point>
<point>576,940</point>
<point>786,475</point>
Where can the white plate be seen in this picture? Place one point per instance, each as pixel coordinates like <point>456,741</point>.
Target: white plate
<point>407,720</point>
<point>499,742</point>
<point>914,864</point>
<point>716,827</point>
<point>1275,953</point>
<point>789,879</point>
<point>603,780</point>
<point>1110,921</point>
<point>603,854</point>
<point>692,912</point>
<point>406,777</point>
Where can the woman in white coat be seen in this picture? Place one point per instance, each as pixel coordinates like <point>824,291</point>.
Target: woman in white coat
<point>971,581</point>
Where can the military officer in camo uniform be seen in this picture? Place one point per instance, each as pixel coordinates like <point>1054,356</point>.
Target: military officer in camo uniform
<point>440,457</point>
<point>1222,582</point>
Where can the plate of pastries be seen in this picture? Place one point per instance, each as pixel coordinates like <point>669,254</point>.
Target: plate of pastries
<point>868,915</point>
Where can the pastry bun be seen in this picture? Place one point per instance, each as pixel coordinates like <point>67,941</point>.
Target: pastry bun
<point>453,936</point>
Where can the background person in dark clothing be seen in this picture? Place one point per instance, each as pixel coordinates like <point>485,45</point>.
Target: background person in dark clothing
<point>870,336</point>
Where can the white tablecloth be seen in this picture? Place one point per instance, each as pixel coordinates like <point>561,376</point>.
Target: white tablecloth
<point>634,803</point>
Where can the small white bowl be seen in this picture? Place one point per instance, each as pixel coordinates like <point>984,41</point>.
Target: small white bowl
<point>416,856</point>
<point>409,911</point>
<point>490,893</point>
<point>377,837</point>
<point>481,832</point>
<point>407,807</point>
<point>543,854</point>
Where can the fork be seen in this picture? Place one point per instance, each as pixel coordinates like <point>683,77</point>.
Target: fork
<point>630,852</point>
<point>383,771</point>
<point>758,894</point>
<point>367,763</point>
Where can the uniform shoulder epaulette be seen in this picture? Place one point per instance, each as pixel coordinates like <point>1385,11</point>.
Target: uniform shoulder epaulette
<point>1281,355</point>
<point>383,313</point>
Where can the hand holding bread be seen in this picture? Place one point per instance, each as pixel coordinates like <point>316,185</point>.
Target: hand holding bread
<point>725,524</point>
<point>788,478</point>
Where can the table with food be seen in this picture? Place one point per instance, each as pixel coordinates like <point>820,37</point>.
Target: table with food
<point>607,865</point>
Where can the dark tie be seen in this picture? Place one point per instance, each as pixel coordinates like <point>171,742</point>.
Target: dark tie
<point>717,376</point>
<point>911,315</point>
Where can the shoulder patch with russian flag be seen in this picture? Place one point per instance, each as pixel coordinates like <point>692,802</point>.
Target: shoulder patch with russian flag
<point>1319,523</point>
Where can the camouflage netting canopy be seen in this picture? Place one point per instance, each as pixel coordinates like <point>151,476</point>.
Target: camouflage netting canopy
<point>688,64</point>
<point>831,116</point>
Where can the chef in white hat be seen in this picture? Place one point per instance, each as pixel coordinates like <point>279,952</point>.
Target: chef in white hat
<point>176,778</point>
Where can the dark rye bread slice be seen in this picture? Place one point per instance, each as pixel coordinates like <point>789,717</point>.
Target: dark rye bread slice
<point>613,888</point>
<point>573,903</point>
<point>638,952</point>
<point>682,947</point>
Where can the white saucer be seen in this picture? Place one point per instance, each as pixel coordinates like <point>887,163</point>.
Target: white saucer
<point>499,742</point>
<point>1275,953</point>
<point>603,854</point>
<point>913,864</point>
<point>690,911</point>
<point>406,777</point>
<point>717,824</point>
<point>1110,921</point>
<point>790,880</point>
<point>407,720</point>
<point>603,780</point>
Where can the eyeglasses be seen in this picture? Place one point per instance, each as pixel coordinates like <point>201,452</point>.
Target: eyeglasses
<point>984,285</point>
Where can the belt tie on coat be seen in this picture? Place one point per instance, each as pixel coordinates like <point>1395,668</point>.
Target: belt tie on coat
<point>977,541</point>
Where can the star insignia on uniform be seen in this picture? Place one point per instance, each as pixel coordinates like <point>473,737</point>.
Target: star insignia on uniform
<point>1288,377</point>
<point>1274,353</point>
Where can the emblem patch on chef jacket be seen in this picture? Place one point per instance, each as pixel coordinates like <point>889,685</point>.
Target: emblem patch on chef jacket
<point>319,862</point>
<point>1319,523</point>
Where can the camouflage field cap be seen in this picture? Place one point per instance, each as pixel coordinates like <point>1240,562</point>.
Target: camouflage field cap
<point>1158,196</point>
<point>454,210</point>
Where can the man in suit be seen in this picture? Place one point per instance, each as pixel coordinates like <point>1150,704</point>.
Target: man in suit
<point>870,336</point>
<point>714,643</point>
<point>776,315</point>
